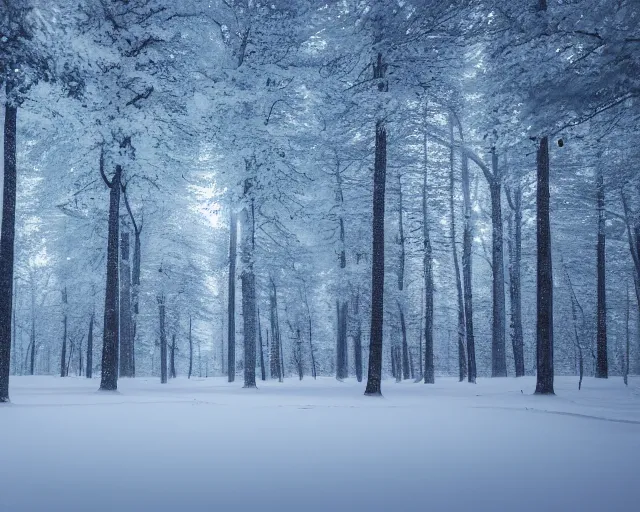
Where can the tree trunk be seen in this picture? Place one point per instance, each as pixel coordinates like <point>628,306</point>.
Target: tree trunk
<point>342,368</point>
<point>276,368</point>
<point>248,279</point>
<point>498,352</point>
<point>231,296</point>
<point>173,373</point>
<point>7,237</point>
<point>342,312</point>
<point>429,369</point>
<point>14,331</point>
<point>311,351</point>
<point>462,362</point>
<point>602,367</point>
<point>163,340</point>
<point>357,337</point>
<point>627,316</point>
<point>63,355</point>
<point>467,271</point>
<point>406,372</point>
<point>89,372</point>
<point>32,365</point>
<point>190,350</point>
<point>374,377</point>
<point>126,331</point>
<point>263,373</point>
<point>515,282</point>
<point>406,369</point>
<point>134,286</point>
<point>544,350</point>
<point>111,328</point>
<point>135,292</point>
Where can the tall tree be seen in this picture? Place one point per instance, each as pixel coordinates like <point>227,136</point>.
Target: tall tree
<point>544,351</point>
<point>111,325</point>
<point>374,377</point>
<point>602,367</point>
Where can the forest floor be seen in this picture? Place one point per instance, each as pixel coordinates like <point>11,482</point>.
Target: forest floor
<point>204,444</point>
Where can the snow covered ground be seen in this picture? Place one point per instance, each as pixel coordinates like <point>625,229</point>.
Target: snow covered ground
<point>204,445</point>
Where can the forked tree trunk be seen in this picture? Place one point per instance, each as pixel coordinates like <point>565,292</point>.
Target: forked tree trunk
<point>374,378</point>
<point>7,237</point>
<point>602,366</point>
<point>544,350</point>
<point>111,325</point>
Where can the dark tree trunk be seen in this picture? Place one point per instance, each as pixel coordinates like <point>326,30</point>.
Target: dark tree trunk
<point>134,283</point>
<point>63,354</point>
<point>231,310</point>
<point>374,378</point>
<point>467,271</point>
<point>248,280</point>
<point>498,352</point>
<point>406,372</point>
<point>342,311</point>
<point>173,373</point>
<point>462,361</point>
<point>544,351</point>
<point>311,351</point>
<point>281,357</point>
<point>394,366</point>
<point>429,369</point>
<point>163,339</point>
<point>89,372</point>
<point>32,365</point>
<point>342,365</point>
<point>126,321</point>
<point>111,328</point>
<point>7,237</point>
<point>298,355</point>
<point>406,368</point>
<point>627,316</point>
<point>190,350</point>
<point>263,372</point>
<point>602,367</point>
<point>357,338</point>
<point>515,282</point>
<point>276,360</point>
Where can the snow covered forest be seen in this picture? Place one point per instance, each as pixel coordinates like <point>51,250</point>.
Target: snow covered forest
<point>329,198</point>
